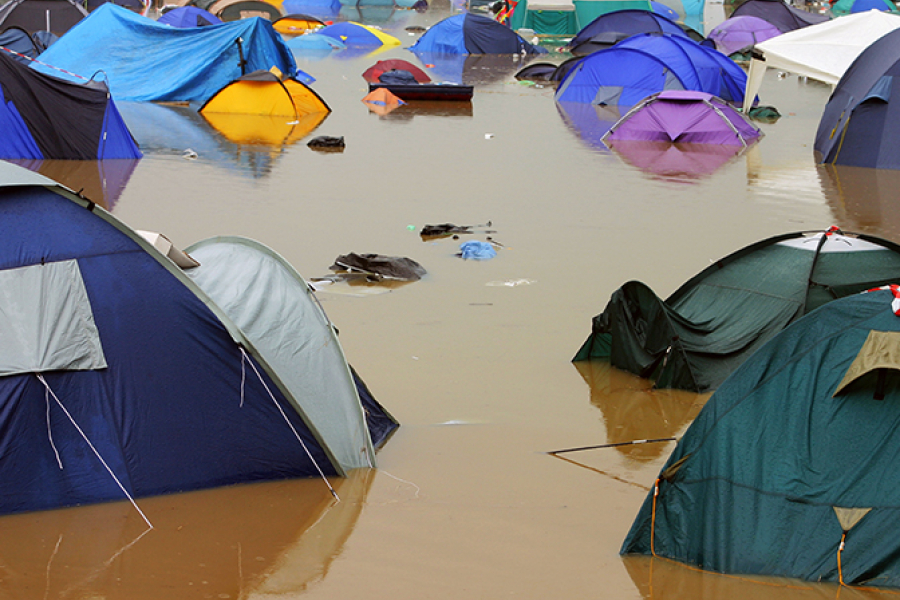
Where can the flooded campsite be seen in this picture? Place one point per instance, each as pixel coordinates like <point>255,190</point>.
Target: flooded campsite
<point>473,360</point>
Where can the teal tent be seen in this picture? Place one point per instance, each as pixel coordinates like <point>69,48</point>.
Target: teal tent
<point>701,333</point>
<point>790,468</point>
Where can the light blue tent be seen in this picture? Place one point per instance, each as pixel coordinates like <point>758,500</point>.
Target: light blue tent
<point>123,376</point>
<point>183,65</point>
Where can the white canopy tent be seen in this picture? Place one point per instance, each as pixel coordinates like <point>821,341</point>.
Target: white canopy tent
<point>822,52</point>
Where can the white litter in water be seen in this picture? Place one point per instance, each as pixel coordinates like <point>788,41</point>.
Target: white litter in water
<point>488,136</point>
<point>189,154</point>
<point>511,282</point>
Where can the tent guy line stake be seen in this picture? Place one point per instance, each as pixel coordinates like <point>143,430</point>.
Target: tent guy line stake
<point>291,425</point>
<point>96,453</point>
<point>613,445</point>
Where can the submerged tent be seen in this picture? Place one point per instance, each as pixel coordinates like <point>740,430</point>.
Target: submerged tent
<point>649,63</point>
<point>43,117</point>
<point>265,93</point>
<point>685,117</point>
<point>198,61</point>
<point>739,34</point>
<point>56,16</point>
<point>845,7</point>
<point>613,27</point>
<point>789,470</point>
<point>357,34</point>
<point>373,73</point>
<point>297,24</point>
<point>189,16</point>
<point>822,52</point>
<point>779,13</point>
<point>121,376</point>
<point>701,333</point>
<point>860,122</point>
<point>469,33</point>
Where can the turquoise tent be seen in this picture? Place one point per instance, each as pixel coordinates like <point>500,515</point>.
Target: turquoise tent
<point>790,468</point>
<point>701,333</point>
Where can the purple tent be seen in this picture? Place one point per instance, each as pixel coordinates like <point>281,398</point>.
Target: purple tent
<point>685,117</point>
<point>738,34</point>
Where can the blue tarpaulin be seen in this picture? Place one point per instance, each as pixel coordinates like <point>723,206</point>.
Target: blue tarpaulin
<point>145,61</point>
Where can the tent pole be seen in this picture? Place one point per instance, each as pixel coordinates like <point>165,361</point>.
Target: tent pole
<point>613,445</point>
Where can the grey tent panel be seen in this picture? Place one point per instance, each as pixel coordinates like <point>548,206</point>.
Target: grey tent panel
<point>46,322</point>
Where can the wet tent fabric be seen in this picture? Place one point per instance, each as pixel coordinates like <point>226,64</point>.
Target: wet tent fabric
<point>274,307</point>
<point>32,15</point>
<point>645,64</point>
<point>858,124</point>
<point>373,73</point>
<point>177,405</point>
<point>297,24</point>
<point>615,26</point>
<point>468,33</point>
<point>739,34</point>
<point>189,16</point>
<point>264,93</point>
<point>199,61</point>
<point>21,44</point>
<point>780,14</point>
<point>43,117</point>
<point>768,482</point>
<point>685,117</point>
<point>711,324</point>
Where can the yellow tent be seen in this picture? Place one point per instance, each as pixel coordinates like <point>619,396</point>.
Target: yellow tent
<point>266,93</point>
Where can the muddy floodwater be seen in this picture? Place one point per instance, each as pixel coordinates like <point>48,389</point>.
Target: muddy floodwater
<point>473,360</point>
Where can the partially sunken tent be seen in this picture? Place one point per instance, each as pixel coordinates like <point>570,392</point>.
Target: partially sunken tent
<point>790,468</point>
<point>297,24</point>
<point>779,13</point>
<point>56,16</point>
<point>860,122</point>
<point>198,61</point>
<point>43,117</point>
<point>613,27</point>
<point>701,333</point>
<point>684,117</point>
<point>265,93</point>
<point>649,63</point>
<point>845,7</point>
<point>358,35</point>
<point>189,16</point>
<point>120,376</point>
<point>468,33</point>
<point>739,34</point>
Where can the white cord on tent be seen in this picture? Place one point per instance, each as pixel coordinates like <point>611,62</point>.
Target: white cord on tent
<point>49,432</point>
<point>291,425</point>
<point>96,453</point>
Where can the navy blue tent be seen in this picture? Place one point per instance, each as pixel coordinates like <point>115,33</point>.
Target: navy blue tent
<point>649,63</point>
<point>613,27</point>
<point>43,117</point>
<point>860,123</point>
<point>189,16</point>
<point>473,34</point>
<point>122,373</point>
<point>780,14</point>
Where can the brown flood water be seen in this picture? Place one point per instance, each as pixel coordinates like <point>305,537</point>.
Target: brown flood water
<point>474,360</point>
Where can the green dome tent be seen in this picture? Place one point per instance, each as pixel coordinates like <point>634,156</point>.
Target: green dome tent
<point>701,333</point>
<point>790,468</point>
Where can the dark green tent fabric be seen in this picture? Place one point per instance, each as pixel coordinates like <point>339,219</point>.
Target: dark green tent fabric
<point>701,333</point>
<point>773,460</point>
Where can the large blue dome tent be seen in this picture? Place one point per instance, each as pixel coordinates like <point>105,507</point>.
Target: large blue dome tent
<point>645,64</point>
<point>613,27</point>
<point>122,377</point>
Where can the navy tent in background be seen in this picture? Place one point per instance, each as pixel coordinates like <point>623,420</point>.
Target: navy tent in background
<point>35,15</point>
<point>781,15</point>
<point>128,369</point>
<point>613,27</point>
<point>189,16</point>
<point>43,117</point>
<point>473,34</point>
<point>860,122</point>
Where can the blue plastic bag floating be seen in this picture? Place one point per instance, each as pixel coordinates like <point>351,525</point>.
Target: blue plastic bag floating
<point>477,250</point>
